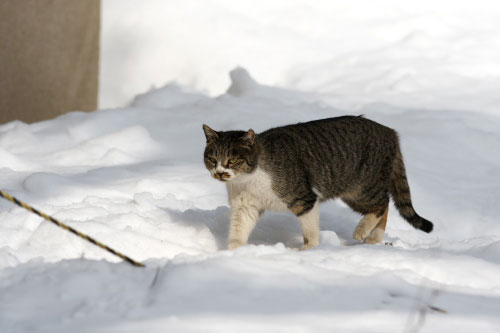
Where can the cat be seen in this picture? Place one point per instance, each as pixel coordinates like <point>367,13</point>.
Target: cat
<point>295,167</point>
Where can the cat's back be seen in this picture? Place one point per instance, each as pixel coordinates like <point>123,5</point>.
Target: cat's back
<point>331,154</point>
<point>348,132</point>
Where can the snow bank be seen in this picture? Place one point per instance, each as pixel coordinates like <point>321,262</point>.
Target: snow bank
<point>423,54</point>
<point>134,179</point>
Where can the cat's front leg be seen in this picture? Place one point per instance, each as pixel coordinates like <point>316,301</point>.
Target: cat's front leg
<point>309,223</point>
<point>244,216</point>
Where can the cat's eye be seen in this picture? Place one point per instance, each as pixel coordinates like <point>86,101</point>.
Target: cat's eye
<point>212,160</point>
<point>233,160</point>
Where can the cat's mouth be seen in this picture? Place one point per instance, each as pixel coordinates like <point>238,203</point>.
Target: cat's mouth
<point>222,176</point>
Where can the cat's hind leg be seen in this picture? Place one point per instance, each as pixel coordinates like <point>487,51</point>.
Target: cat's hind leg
<point>373,205</point>
<point>365,226</point>
<point>377,234</point>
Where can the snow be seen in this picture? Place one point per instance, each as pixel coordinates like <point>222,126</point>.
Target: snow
<point>133,177</point>
<point>416,53</point>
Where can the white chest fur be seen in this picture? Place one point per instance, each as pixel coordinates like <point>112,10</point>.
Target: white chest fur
<point>254,190</point>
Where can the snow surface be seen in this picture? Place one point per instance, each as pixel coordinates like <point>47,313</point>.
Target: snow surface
<point>134,179</point>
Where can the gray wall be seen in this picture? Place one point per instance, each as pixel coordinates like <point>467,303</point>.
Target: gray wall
<point>49,58</point>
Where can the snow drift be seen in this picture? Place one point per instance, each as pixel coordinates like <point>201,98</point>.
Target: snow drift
<point>134,178</point>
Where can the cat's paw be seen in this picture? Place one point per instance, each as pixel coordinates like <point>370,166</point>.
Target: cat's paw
<point>307,246</point>
<point>233,244</point>
<point>376,236</point>
<point>360,233</point>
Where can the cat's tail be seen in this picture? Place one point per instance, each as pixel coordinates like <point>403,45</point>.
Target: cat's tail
<point>400,191</point>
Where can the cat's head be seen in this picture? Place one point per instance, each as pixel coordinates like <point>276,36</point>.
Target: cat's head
<point>230,154</point>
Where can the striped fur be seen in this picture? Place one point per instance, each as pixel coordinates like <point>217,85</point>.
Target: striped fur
<point>351,158</point>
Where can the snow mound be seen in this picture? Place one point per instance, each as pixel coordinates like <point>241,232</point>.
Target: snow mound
<point>244,85</point>
<point>13,162</point>
<point>133,178</point>
<point>418,54</point>
<point>241,82</point>
<point>124,146</point>
<point>169,96</point>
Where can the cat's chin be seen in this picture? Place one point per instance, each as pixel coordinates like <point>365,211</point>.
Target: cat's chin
<point>224,180</point>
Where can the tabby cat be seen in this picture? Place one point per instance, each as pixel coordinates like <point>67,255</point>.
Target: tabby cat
<point>295,167</point>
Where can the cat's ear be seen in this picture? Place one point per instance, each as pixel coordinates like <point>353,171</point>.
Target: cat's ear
<point>210,134</point>
<point>249,137</point>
